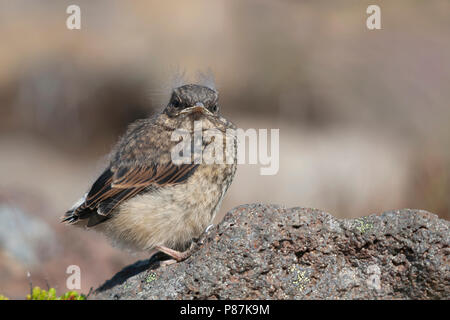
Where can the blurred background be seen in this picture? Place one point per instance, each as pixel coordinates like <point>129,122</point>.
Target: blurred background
<point>363,115</point>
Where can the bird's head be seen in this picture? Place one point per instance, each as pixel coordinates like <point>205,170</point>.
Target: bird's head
<point>193,98</point>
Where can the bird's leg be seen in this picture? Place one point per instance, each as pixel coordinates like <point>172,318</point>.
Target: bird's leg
<point>177,255</point>
<point>157,257</point>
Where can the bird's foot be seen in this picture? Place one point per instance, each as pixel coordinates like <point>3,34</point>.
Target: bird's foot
<point>167,262</point>
<point>209,228</point>
<point>157,257</point>
<point>177,255</point>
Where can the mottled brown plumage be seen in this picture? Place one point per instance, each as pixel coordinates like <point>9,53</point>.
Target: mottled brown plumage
<point>143,200</point>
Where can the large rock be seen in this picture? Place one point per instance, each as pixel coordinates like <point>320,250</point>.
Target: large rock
<point>271,252</point>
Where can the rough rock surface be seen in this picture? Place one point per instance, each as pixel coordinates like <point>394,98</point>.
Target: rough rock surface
<point>271,252</point>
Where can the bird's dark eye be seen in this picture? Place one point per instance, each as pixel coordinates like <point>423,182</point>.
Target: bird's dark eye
<point>176,104</point>
<point>214,108</point>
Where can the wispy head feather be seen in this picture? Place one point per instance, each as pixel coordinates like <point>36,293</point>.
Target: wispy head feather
<point>160,94</point>
<point>179,78</point>
<point>206,79</point>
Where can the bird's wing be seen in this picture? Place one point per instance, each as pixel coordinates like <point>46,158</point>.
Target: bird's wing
<point>113,187</point>
<point>132,171</point>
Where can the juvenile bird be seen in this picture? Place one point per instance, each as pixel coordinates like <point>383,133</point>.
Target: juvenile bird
<point>144,200</point>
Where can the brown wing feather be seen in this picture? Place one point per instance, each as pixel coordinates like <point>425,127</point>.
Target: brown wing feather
<point>160,175</point>
<point>135,167</point>
<point>110,189</point>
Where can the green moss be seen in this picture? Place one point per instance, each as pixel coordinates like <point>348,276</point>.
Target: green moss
<point>40,294</point>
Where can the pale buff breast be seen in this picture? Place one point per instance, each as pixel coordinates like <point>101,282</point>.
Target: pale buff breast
<point>172,216</point>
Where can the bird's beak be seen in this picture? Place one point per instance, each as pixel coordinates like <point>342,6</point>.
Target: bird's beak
<point>198,107</point>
